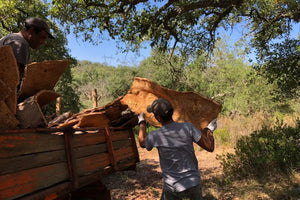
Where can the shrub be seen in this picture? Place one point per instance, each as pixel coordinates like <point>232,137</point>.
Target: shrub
<point>222,137</point>
<point>264,152</point>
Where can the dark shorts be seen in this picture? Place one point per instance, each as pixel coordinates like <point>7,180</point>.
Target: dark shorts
<point>193,193</point>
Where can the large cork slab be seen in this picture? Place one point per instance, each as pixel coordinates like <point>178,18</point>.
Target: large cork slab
<point>45,97</point>
<point>41,76</point>
<point>29,112</point>
<point>188,106</point>
<point>7,118</point>
<point>9,75</point>
<point>93,120</point>
<point>4,91</point>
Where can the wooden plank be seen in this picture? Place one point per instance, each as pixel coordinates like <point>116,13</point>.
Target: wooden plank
<point>92,164</point>
<point>15,164</point>
<point>123,153</point>
<point>121,144</point>
<point>68,136</point>
<point>88,139</point>
<point>27,181</point>
<point>133,145</point>
<point>51,193</point>
<point>27,143</point>
<point>90,150</point>
<point>119,134</point>
<point>85,180</point>
<point>129,162</point>
<point>110,146</point>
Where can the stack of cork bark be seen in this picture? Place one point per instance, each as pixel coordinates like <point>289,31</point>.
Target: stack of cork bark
<point>9,80</point>
<point>114,114</point>
<point>36,90</point>
<point>188,107</point>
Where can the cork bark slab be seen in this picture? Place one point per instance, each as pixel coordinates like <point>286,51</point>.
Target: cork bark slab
<point>188,106</point>
<point>4,91</point>
<point>29,112</point>
<point>113,114</point>
<point>45,97</point>
<point>41,76</point>
<point>93,120</point>
<point>7,118</point>
<point>9,75</point>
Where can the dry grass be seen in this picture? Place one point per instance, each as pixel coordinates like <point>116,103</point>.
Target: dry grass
<point>269,188</point>
<point>234,128</point>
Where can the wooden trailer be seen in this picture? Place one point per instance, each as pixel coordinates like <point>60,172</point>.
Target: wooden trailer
<point>53,163</point>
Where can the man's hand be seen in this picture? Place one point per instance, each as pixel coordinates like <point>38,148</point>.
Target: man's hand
<point>212,125</point>
<point>141,118</point>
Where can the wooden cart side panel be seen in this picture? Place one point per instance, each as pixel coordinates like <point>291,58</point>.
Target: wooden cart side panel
<point>34,163</point>
<point>85,151</point>
<point>19,163</point>
<point>119,134</point>
<point>121,144</point>
<point>28,143</point>
<point>21,183</point>
<point>129,162</point>
<point>87,139</point>
<point>92,164</point>
<point>123,153</point>
<point>51,193</point>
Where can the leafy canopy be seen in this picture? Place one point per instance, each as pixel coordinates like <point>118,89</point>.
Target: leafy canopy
<point>190,24</point>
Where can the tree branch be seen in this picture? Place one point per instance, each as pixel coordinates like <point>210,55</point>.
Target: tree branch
<point>209,3</point>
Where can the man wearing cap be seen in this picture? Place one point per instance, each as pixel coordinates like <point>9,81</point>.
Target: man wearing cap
<point>35,32</point>
<point>174,142</point>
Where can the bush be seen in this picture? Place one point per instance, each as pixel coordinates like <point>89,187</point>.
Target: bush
<point>264,152</point>
<point>222,137</point>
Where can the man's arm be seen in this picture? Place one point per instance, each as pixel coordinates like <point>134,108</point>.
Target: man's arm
<point>142,134</point>
<point>142,130</point>
<point>207,140</point>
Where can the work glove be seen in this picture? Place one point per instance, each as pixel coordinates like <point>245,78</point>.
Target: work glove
<point>141,118</point>
<point>212,125</point>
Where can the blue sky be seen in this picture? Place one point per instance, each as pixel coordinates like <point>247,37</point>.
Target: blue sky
<point>108,53</point>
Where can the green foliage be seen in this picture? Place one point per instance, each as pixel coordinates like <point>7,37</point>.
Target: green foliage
<point>110,82</point>
<point>282,67</point>
<point>227,78</point>
<point>13,13</point>
<point>222,137</point>
<point>168,73</point>
<point>120,81</point>
<point>264,152</point>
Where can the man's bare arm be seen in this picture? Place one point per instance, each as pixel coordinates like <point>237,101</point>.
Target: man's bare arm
<point>207,140</point>
<point>142,134</point>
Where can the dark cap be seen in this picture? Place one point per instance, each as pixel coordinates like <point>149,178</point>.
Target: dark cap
<point>38,24</point>
<point>161,107</point>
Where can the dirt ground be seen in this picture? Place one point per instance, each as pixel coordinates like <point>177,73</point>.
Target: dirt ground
<point>146,181</point>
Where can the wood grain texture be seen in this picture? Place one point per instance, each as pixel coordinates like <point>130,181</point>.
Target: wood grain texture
<point>18,184</point>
